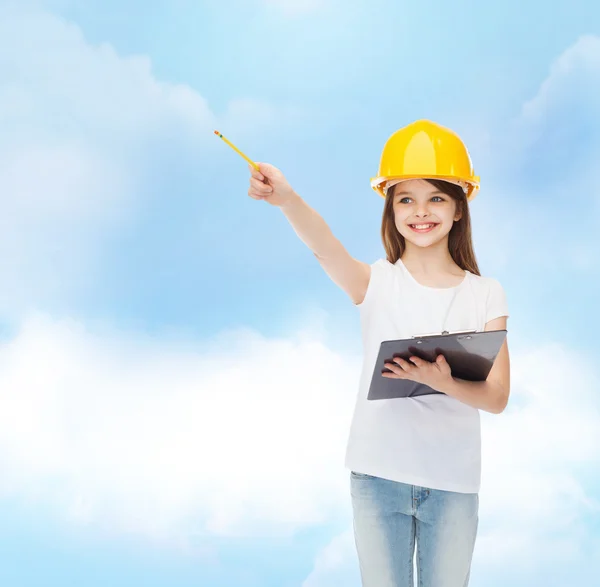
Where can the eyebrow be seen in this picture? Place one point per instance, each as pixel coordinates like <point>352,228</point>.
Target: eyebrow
<point>411,193</point>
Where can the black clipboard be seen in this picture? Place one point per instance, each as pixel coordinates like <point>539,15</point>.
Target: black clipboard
<point>469,354</point>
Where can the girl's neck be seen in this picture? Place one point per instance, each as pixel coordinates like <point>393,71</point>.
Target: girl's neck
<point>434,260</point>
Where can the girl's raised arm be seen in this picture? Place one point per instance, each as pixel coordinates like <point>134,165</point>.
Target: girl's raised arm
<point>351,275</point>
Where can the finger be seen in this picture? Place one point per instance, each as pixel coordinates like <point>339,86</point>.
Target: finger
<point>396,373</point>
<point>418,361</point>
<point>255,173</point>
<point>393,375</point>
<point>256,196</point>
<point>405,365</point>
<point>441,361</point>
<point>443,364</point>
<point>259,186</point>
<point>259,182</point>
<point>394,368</point>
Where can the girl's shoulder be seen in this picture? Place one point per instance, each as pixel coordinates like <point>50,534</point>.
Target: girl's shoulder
<point>494,295</point>
<point>382,265</point>
<point>487,281</point>
<point>490,289</point>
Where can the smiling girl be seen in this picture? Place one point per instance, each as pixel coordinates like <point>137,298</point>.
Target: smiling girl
<point>415,462</point>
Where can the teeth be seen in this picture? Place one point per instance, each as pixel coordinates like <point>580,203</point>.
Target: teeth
<point>421,226</point>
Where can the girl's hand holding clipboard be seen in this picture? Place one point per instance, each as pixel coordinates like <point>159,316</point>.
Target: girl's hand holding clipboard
<point>437,375</point>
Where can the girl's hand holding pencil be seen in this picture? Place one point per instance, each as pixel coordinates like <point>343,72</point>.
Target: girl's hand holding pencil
<point>267,182</point>
<point>270,185</point>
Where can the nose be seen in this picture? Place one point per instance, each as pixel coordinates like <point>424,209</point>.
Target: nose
<point>422,210</point>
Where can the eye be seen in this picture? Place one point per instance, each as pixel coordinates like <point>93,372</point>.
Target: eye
<point>403,200</point>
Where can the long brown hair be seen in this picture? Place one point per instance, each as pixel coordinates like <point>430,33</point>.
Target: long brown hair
<point>460,243</point>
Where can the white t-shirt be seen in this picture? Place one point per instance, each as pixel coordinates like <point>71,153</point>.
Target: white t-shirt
<point>433,440</point>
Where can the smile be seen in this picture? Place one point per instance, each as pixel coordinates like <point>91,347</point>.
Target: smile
<point>423,227</point>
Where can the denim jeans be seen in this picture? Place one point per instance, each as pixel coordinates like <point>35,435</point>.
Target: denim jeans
<point>391,517</point>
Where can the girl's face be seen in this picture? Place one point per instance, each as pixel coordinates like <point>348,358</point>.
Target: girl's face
<point>423,215</point>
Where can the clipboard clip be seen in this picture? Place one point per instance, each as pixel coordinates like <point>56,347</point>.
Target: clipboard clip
<point>445,332</point>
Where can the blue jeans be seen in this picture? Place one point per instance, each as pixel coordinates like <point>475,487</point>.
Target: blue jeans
<point>389,517</point>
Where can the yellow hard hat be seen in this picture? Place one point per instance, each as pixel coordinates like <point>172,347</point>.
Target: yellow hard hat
<point>426,150</point>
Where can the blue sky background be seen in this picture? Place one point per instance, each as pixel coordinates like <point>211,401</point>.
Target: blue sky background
<point>177,373</point>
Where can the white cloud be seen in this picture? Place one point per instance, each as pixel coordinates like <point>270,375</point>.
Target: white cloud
<point>75,120</point>
<point>556,136</point>
<point>336,564</point>
<point>167,439</point>
<point>534,498</point>
<point>107,428</point>
<point>244,435</point>
<point>548,157</point>
<point>64,83</point>
<point>81,130</point>
<point>575,75</point>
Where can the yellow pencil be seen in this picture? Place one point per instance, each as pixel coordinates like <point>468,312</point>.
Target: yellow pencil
<point>237,150</point>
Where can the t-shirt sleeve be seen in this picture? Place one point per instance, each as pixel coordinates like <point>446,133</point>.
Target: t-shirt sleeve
<point>497,305</point>
<point>376,282</point>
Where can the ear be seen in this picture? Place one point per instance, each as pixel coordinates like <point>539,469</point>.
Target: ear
<point>458,214</point>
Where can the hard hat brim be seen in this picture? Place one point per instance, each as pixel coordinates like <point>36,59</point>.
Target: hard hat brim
<point>471,190</point>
